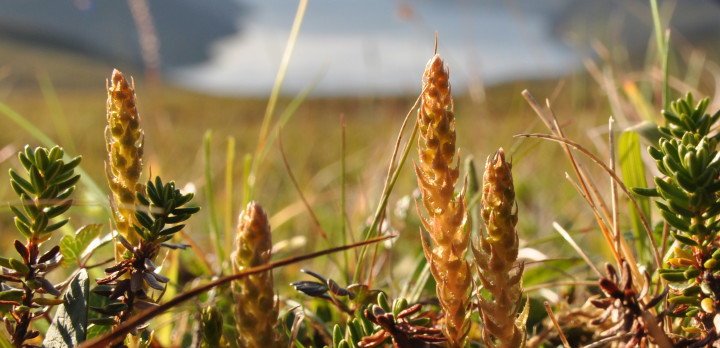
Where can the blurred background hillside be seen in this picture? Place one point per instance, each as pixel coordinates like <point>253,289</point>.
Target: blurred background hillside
<point>234,47</point>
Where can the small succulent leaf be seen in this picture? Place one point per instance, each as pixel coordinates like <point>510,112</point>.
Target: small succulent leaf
<point>152,282</point>
<point>49,194</point>
<point>29,206</point>
<point>30,153</point>
<point>116,307</point>
<point>24,160</point>
<point>184,199</point>
<point>56,153</point>
<point>317,276</point>
<point>23,228</point>
<point>54,168</point>
<point>152,194</point>
<point>12,295</point>
<point>41,158</point>
<point>172,230</point>
<point>41,221</point>
<point>142,232</point>
<point>55,226</point>
<point>18,190</point>
<point>62,177</point>
<point>22,250</point>
<point>310,288</point>
<point>19,266</point>
<point>68,183</point>
<point>48,287</point>
<point>97,323</point>
<point>674,220</point>
<point>37,180</point>
<point>683,239</point>
<point>65,194</point>
<point>49,255</point>
<point>161,278</point>
<point>175,245</point>
<point>337,335</point>
<point>176,219</point>
<point>24,184</point>
<point>141,198</point>
<point>59,209</point>
<point>144,219</point>
<point>383,302</point>
<point>72,164</point>
<point>44,301</point>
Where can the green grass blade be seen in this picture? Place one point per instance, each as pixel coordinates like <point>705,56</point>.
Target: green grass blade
<point>272,102</point>
<point>94,190</point>
<point>229,166</point>
<point>210,196</point>
<point>247,167</point>
<point>666,72</point>
<point>657,26</point>
<point>633,174</point>
<point>56,111</point>
<point>383,203</point>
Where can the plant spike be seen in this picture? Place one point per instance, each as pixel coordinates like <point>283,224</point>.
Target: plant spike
<point>447,215</point>
<point>499,275</point>
<point>44,195</point>
<point>124,143</point>
<point>256,311</point>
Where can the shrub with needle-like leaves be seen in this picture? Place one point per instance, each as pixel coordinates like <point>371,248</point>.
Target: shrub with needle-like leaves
<point>44,195</point>
<point>689,202</point>
<point>159,215</point>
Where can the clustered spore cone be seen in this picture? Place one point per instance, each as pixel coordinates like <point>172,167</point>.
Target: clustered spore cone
<point>499,275</point>
<point>256,310</point>
<point>447,215</point>
<point>124,141</point>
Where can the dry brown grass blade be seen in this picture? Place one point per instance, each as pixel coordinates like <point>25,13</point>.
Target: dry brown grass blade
<point>555,322</point>
<point>393,173</point>
<point>613,187</point>
<point>577,248</point>
<point>586,183</point>
<point>299,191</point>
<point>142,317</point>
<point>617,180</point>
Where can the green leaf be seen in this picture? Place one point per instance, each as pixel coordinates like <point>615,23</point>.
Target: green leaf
<point>95,330</point>
<point>72,247</point>
<point>69,327</point>
<point>648,130</point>
<point>4,342</point>
<point>633,174</point>
<point>27,186</point>
<point>19,266</point>
<point>23,228</point>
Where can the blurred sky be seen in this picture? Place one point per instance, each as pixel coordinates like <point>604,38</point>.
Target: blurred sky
<point>371,47</point>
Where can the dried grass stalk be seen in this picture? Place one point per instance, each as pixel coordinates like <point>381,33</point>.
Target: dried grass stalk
<point>124,142</point>
<point>497,255</point>
<point>447,215</point>
<point>256,311</point>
